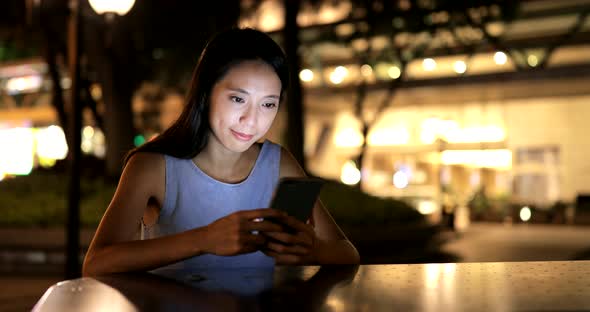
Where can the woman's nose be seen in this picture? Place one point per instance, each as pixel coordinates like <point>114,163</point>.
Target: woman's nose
<point>249,116</point>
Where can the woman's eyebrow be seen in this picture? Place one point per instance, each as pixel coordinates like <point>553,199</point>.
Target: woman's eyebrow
<point>240,90</point>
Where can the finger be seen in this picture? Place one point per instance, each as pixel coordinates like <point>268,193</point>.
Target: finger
<point>290,260</point>
<point>304,232</point>
<point>251,243</point>
<point>287,238</point>
<point>249,248</point>
<point>270,253</point>
<point>253,239</point>
<point>261,213</point>
<point>284,249</point>
<point>263,226</point>
<point>296,224</point>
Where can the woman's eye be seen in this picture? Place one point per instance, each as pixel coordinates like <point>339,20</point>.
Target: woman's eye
<point>269,105</point>
<point>236,99</point>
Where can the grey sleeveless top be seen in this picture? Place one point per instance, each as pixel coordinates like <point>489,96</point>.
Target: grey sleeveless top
<point>193,199</point>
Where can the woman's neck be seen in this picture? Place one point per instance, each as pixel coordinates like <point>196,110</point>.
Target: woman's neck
<point>225,165</point>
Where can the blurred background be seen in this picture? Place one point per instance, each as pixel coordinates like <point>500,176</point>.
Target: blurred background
<point>450,131</point>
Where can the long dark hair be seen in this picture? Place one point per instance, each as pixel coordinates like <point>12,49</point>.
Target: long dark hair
<point>188,135</point>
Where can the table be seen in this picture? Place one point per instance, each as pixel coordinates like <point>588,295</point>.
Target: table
<point>504,286</point>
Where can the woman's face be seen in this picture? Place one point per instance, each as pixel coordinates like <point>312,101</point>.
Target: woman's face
<point>244,104</point>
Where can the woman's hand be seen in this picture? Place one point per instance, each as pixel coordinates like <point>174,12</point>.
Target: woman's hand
<point>295,247</point>
<point>233,234</point>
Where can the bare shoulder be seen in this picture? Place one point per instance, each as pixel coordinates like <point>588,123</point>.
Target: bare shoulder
<point>143,178</point>
<point>143,163</point>
<point>289,166</point>
<point>146,170</point>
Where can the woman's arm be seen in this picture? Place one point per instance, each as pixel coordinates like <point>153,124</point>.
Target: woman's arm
<point>330,245</point>
<point>114,248</point>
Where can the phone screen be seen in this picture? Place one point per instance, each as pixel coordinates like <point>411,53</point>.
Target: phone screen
<point>297,196</point>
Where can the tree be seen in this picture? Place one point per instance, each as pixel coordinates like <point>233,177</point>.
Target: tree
<point>412,17</point>
<point>421,29</point>
<point>295,131</point>
<point>156,41</point>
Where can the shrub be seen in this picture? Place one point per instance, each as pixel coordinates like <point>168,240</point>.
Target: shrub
<point>348,205</point>
<point>40,199</point>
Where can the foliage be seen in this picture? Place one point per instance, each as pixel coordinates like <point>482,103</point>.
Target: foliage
<point>40,200</point>
<point>479,202</point>
<point>350,206</point>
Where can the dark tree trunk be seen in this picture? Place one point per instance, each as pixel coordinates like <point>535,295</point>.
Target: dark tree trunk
<point>111,58</point>
<point>295,114</point>
<point>118,124</point>
<point>359,106</point>
<point>57,96</point>
<point>72,266</point>
<point>361,157</point>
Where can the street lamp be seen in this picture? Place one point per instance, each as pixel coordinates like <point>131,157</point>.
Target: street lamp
<point>72,265</point>
<point>109,8</point>
<point>119,7</point>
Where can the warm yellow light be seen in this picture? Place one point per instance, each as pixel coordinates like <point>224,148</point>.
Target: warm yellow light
<point>394,72</point>
<point>525,213</point>
<point>334,303</point>
<point>366,70</point>
<point>336,79</point>
<point>500,58</point>
<point>86,146</point>
<point>381,70</point>
<point>46,162</point>
<point>96,91</point>
<point>532,60</point>
<point>120,7</point>
<point>51,143</point>
<point>95,145</point>
<point>65,83</point>
<point>341,70</point>
<point>87,132</point>
<point>433,128</point>
<point>350,174</point>
<point>449,268</point>
<point>360,44</point>
<point>432,275</point>
<point>270,22</point>
<point>388,137</point>
<point>345,30</point>
<point>349,137</point>
<point>306,75</point>
<point>426,207</point>
<point>333,11</point>
<point>460,67</point>
<point>98,137</point>
<point>429,64</point>
<point>27,83</point>
<point>338,75</point>
<point>496,159</point>
<point>429,130</point>
<point>475,134</point>
<point>17,153</point>
<point>449,130</point>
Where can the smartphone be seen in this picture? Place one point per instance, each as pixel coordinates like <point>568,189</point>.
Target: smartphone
<point>297,196</point>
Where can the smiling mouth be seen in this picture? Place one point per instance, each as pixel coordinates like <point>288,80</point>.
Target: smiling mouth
<point>242,136</point>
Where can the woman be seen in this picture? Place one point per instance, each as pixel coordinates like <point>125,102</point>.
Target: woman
<point>198,190</point>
